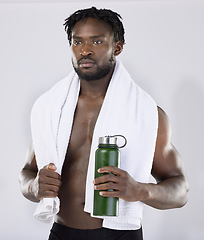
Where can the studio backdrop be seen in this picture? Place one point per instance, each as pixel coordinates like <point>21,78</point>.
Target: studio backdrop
<point>164,54</point>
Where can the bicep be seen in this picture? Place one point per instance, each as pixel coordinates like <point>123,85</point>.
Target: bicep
<point>167,160</point>
<point>30,161</point>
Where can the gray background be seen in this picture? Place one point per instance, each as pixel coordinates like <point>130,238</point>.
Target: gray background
<point>164,54</point>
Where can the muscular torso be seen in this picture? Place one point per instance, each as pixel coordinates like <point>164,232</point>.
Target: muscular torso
<point>72,191</point>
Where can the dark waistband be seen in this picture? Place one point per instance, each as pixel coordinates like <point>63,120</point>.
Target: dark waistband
<point>64,232</point>
<point>66,228</point>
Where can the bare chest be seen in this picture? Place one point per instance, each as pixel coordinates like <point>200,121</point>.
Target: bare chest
<point>85,118</point>
<point>76,162</point>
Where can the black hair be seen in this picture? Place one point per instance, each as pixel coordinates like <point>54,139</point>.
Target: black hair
<point>108,16</point>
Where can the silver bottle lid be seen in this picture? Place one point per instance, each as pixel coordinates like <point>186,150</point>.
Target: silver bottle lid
<point>112,140</point>
<point>108,140</point>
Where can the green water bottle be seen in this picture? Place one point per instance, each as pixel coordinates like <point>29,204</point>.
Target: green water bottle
<point>107,154</point>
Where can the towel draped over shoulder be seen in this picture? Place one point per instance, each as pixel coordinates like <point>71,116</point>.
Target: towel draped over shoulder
<point>127,110</point>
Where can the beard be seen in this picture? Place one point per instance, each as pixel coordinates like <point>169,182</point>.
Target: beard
<point>101,71</point>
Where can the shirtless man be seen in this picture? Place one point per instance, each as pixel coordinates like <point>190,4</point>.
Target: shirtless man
<point>96,40</point>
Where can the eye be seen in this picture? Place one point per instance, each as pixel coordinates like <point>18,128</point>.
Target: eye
<point>76,42</point>
<point>96,42</point>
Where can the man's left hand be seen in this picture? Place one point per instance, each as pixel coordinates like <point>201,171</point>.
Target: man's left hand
<point>124,186</point>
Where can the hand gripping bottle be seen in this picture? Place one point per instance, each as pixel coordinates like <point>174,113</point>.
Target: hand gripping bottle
<point>107,154</point>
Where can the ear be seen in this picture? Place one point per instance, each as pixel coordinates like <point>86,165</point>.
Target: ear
<point>118,48</point>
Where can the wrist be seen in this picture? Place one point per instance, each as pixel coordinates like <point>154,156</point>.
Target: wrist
<point>32,189</point>
<point>150,190</point>
<point>146,191</point>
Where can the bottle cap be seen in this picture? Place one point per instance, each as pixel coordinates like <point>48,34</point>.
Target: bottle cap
<point>112,140</point>
<point>108,140</point>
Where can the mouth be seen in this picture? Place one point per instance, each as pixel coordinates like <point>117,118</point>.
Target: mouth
<point>86,63</point>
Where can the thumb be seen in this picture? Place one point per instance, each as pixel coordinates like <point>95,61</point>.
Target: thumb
<point>51,166</point>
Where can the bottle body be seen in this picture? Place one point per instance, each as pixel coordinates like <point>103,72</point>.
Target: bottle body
<point>106,155</point>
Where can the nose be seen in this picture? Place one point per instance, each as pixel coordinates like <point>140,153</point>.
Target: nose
<point>86,50</point>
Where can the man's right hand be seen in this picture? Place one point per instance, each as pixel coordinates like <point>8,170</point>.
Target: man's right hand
<point>47,182</point>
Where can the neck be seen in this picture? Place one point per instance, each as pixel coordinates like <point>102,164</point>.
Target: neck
<point>95,88</point>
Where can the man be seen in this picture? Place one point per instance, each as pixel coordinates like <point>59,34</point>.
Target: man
<point>96,37</point>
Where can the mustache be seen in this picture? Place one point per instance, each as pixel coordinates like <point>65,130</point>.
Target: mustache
<point>85,58</point>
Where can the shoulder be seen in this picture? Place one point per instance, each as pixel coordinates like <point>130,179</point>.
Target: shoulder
<point>163,117</point>
<point>164,127</point>
<point>50,96</point>
<point>167,160</point>
<point>146,106</point>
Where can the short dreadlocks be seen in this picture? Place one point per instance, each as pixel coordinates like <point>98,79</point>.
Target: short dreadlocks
<point>108,16</point>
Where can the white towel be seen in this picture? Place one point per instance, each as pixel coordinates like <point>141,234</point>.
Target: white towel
<point>126,110</point>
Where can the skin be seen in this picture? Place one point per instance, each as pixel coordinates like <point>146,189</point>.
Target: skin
<point>94,40</point>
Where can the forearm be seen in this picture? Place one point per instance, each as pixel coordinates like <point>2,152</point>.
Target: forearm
<point>169,193</point>
<point>26,179</point>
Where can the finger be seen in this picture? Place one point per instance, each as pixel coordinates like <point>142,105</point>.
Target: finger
<point>109,194</point>
<point>52,182</point>
<point>106,186</point>
<point>50,194</point>
<point>106,178</point>
<point>44,180</point>
<point>48,173</point>
<point>111,169</point>
<point>51,188</point>
<point>50,166</point>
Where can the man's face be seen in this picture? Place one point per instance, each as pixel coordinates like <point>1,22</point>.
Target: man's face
<point>93,49</point>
